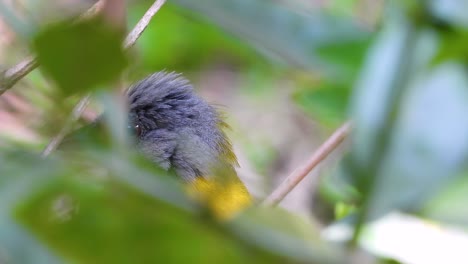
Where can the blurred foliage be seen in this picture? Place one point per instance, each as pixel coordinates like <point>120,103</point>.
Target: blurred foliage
<point>201,43</point>
<point>328,103</point>
<point>98,206</point>
<point>404,85</point>
<point>79,56</point>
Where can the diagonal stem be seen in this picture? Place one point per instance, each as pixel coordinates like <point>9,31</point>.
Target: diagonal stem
<point>301,172</point>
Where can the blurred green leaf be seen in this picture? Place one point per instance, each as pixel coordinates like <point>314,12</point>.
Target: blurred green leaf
<point>428,147</point>
<point>200,44</point>
<point>343,210</point>
<point>276,230</point>
<point>16,244</point>
<point>282,34</point>
<point>103,208</point>
<point>409,121</point>
<point>373,88</point>
<point>347,57</point>
<point>328,103</point>
<point>454,46</point>
<point>80,55</point>
<point>118,224</point>
<point>452,11</point>
<point>449,204</point>
<point>20,247</point>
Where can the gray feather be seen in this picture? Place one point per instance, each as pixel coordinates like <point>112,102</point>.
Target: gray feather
<point>179,130</point>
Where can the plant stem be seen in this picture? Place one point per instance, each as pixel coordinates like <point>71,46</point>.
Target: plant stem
<point>301,172</point>
<point>370,171</point>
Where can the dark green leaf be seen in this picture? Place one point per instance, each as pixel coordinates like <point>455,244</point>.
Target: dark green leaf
<point>327,103</point>
<point>454,46</point>
<point>116,223</point>
<point>80,56</point>
<point>282,34</point>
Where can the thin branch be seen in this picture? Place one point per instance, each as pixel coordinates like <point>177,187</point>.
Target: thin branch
<point>93,11</point>
<point>142,24</point>
<point>81,106</point>
<point>14,74</point>
<point>17,72</point>
<point>75,115</point>
<point>301,172</point>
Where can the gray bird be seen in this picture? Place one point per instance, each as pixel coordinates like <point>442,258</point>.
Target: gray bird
<point>179,131</point>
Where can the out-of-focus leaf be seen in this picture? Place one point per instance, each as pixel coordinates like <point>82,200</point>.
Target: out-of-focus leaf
<point>454,46</point>
<point>452,11</point>
<point>375,83</point>
<point>449,205</point>
<point>16,244</point>
<point>347,56</point>
<point>80,56</point>
<point>327,103</point>
<point>280,33</point>
<point>118,224</point>
<point>20,247</point>
<point>430,145</point>
<point>112,211</point>
<point>427,144</point>
<point>276,230</point>
<point>200,44</point>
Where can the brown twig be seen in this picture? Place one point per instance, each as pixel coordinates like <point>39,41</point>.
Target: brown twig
<point>14,74</point>
<point>142,24</point>
<point>81,105</point>
<point>300,173</point>
<point>17,72</point>
<point>75,115</point>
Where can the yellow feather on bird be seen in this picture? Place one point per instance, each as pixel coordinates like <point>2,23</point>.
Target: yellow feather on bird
<point>181,132</point>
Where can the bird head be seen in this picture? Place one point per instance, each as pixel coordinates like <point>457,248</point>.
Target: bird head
<point>177,129</point>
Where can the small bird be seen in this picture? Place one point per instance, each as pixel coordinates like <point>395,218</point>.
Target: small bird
<point>180,132</point>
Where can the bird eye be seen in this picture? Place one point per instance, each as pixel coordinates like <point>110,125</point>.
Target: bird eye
<point>135,130</point>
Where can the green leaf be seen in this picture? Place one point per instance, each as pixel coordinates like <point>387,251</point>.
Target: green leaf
<point>452,11</point>
<point>201,44</point>
<point>80,56</point>
<point>17,245</point>
<point>106,209</point>
<point>454,46</point>
<point>281,34</point>
<point>328,103</point>
<point>279,231</point>
<point>428,147</point>
<point>449,204</point>
<point>119,224</point>
<point>401,165</point>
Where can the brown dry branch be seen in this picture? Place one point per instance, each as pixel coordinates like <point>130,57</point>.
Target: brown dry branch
<point>81,105</point>
<point>301,172</point>
<point>11,76</point>
<point>75,115</point>
<point>142,24</point>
